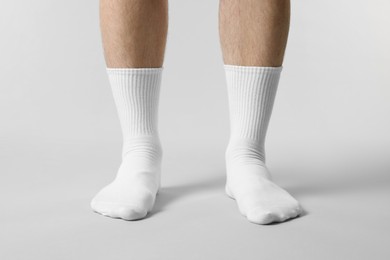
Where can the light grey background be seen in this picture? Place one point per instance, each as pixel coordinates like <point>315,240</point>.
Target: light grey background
<point>328,141</point>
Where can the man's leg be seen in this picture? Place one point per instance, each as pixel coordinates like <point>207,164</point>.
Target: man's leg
<point>253,37</point>
<point>134,38</point>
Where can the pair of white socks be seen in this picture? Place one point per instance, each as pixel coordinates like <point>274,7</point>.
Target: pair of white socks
<point>251,91</point>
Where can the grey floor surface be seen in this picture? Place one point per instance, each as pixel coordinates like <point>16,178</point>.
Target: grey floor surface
<point>46,214</point>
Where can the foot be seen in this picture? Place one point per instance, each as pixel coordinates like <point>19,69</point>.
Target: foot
<point>259,199</point>
<point>131,195</point>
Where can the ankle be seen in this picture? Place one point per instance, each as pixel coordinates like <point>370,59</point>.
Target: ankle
<point>245,151</point>
<point>145,145</point>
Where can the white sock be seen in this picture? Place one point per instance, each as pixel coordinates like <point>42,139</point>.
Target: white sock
<point>251,92</point>
<point>131,195</point>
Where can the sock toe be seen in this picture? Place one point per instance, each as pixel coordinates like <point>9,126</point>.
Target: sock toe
<point>118,211</point>
<point>131,213</point>
<point>259,216</point>
<point>296,212</point>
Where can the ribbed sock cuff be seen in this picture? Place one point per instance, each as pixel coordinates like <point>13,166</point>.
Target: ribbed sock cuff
<point>134,70</point>
<point>251,92</point>
<point>254,69</point>
<point>136,94</point>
